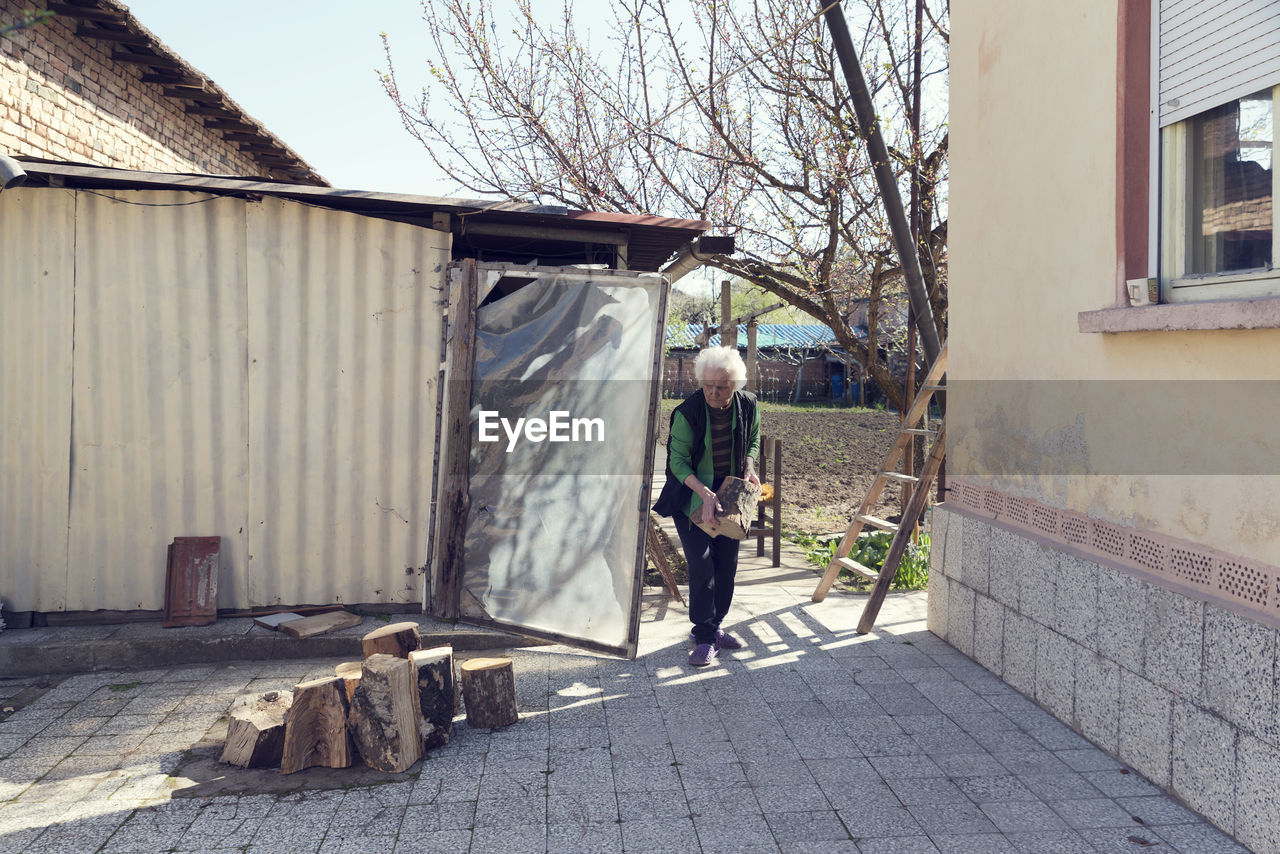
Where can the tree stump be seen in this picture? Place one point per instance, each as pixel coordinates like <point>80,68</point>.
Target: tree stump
<point>384,714</point>
<point>255,735</point>
<point>315,730</point>
<point>437,693</point>
<point>398,639</point>
<point>349,672</point>
<point>489,692</point>
<point>738,497</point>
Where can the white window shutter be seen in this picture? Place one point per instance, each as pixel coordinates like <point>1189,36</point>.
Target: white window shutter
<point>1215,51</point>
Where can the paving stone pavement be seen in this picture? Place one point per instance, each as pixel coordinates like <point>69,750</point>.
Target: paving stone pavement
<point>812,740</point>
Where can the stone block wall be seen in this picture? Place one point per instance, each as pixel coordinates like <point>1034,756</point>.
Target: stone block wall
<point>1183,691</point>
<point>62,97</point>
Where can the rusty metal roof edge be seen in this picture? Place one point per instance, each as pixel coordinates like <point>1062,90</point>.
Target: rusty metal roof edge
<point>90,176</point>
<point>87,176</point>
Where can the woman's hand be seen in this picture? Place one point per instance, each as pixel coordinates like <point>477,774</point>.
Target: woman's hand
<point>710,507</point>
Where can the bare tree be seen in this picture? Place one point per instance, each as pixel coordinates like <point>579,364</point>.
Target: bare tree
<point>732,111</point>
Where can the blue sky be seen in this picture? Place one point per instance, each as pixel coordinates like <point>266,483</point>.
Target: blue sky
<point>306,70</point>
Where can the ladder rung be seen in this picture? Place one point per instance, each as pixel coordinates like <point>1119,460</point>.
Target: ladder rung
<point>853,566</point>
<point>883,524</point>
<point>899,476</point>
<point>919,431</point>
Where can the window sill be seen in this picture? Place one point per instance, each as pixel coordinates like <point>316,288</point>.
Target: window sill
<point>1261,313</point>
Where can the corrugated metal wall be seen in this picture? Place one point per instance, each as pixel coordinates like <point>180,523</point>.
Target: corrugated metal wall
<point>158,431</point>
<point>262,371</point>
<point>344,336</point>
<point>36,257</point>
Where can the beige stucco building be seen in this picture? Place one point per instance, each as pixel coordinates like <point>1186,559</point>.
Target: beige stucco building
<point>1110,544</point>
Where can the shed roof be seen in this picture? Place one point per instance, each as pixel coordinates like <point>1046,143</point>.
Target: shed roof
<point>110,21</point>
<point>555,235</point>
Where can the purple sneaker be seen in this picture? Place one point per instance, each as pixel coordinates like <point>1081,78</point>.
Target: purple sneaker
<point>702,655</point>
<point>724,640</point>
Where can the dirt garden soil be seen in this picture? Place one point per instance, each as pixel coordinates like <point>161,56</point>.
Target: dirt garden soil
<point>829,458</point>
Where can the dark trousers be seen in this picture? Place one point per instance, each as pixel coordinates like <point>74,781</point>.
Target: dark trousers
<point>713,563</point>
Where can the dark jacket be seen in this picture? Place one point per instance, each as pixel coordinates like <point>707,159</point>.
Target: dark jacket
<point>675,496</point>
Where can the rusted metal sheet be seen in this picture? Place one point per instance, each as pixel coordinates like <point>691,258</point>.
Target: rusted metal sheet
<point>36,304</point>
<point>191,582</point>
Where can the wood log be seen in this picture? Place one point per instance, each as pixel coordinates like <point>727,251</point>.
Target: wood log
<point>398,639</point>
<point>437,693</point>
<point>315,730</point>
<point>349,672</point>
<point>489,692</point>
<point>737,498</point>
<point>255,734</point>
<point>384,714</point>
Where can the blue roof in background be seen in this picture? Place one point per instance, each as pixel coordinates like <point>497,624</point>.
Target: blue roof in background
<point>768,335</point>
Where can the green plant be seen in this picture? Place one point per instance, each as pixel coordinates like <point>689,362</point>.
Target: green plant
<point>125,686</point>
<point>870,550</point>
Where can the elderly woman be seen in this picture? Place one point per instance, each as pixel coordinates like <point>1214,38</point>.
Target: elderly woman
<point>715,433</point>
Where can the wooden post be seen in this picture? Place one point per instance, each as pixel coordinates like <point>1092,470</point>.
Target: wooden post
<point>455,500</point>
<point>315,731</point>
<point>489,692</point>
<point>398,639</point>
<point>753,366</point>
<point>777,502</point>
<point>384,714</point>
<point>728,327</point>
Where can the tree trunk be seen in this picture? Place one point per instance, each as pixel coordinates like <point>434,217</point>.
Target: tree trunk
<point>384,715</point>
<point>489,692</point>
<point>255,735</point>
<point>315,731</point>
<point>398,639</point>
<point>437,693</point>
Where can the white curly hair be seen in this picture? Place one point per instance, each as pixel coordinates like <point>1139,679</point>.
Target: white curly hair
<point>725,358</point>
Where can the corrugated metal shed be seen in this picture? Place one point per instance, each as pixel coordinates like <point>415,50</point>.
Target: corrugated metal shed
<point>182,364</point>
<point>194,356</point>
<point>789,335</point>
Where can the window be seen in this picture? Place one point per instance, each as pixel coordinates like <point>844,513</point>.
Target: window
<point>1217,88</point>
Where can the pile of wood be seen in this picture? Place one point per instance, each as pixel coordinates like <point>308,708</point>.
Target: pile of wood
<point>386,710</point>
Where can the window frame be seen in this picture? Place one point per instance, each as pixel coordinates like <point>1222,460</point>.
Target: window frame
<point>1176,194</point>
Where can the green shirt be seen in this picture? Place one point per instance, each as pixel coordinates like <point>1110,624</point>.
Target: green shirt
<point>680,457</point>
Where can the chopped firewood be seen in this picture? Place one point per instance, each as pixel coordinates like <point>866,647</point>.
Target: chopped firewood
<point>315,730</point>
<point>349,672</point>
<point>255,735</point>
<point>320,624</point>
<point>398,639</point>
<point>489,692</point>
<point>437,693</point>
<point>737,499</point>
<point>384,714</point>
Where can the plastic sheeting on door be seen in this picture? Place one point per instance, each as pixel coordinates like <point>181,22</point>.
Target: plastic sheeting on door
<point>553,538</point>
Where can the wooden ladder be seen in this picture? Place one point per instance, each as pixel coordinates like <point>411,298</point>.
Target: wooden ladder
<point>916,423</point>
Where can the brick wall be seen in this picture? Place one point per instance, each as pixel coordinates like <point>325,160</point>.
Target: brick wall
<point>62,97</point>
